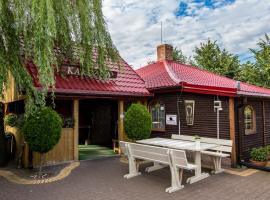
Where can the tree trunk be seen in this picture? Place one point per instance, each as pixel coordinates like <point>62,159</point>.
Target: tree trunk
<point>3,150</point>
<point>42,156</point>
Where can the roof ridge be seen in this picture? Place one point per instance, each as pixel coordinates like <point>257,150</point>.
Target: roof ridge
<point>170,72</point>
<point>204,70</point>
<point>141,68</point>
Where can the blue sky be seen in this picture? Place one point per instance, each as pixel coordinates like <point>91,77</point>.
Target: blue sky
<point>134,25</point>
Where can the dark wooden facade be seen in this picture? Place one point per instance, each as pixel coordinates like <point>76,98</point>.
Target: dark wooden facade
<point>261,137</point>
<point>205,119</point>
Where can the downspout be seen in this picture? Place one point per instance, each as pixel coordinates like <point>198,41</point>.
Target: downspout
<point>178,110</point>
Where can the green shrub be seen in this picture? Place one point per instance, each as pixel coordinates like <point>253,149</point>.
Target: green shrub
<point>42,130</point>
<point>10,119</point>
<point>259,154</point>
<point>14,120</point>
<point>138,122</point>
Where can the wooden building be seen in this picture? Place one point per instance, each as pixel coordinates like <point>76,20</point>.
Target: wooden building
<point>183,103</point>
<point>93,110</point>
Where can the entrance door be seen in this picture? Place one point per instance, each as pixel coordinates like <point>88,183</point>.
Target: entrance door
<point>102,125</point>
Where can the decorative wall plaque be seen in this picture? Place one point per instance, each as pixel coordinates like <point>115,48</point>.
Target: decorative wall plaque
<point>189,110</point>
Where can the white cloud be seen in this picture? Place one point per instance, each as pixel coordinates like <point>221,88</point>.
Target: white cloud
<point>135,26</point>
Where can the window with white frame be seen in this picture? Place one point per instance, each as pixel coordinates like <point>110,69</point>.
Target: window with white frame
<point>158,116</point>
<point>249,120</point>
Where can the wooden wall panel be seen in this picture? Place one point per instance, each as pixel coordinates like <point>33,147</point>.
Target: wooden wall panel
<point>247,142</point>
<point>63,151</point>
<point>10,93</point>
<point>205,119</point>
<point>19,140</point>
<point>267,121</point>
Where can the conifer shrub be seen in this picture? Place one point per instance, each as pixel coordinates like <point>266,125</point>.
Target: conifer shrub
<point>137,122</point>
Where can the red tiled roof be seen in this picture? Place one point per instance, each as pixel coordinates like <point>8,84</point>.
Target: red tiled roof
<point>169,74</point>
<point>127,83</point>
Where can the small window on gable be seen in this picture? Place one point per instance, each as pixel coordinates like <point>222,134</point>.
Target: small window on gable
<point>158,116</point>
<point>249,120</point>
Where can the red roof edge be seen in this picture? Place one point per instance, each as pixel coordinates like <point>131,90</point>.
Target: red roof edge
<point>202,89</point>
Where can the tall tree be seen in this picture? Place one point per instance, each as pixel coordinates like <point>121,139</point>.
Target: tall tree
<point>249,73</point>
<point>262,64</point>
<point>179,57</point>
<point>46,32</point>
<point>211,57</point>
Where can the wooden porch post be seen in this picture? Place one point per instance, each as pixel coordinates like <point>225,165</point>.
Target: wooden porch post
<point>76,128</point>
<point>121,120</point>
<point>232,129</point>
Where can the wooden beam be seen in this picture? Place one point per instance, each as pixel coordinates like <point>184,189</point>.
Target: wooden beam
<point>232,130</point>
<point>76,128</point>
<point>121,120</point>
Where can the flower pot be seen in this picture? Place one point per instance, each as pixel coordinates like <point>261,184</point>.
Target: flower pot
<point>259,163</point>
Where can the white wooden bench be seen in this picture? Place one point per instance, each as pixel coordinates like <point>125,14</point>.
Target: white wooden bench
<point>175,159</point>
<point>183,137</point>
<point>222,150</point>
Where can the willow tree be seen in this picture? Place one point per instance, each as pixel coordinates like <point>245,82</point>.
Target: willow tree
<point>46,32</point>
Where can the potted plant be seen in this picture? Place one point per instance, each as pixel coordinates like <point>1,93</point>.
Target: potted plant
<point>42,131</point>
<point>68,122</point>
<point>268,152</point>
<point>259,156</point>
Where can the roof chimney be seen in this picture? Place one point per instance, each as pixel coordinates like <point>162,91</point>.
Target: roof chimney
<point>164,52</point>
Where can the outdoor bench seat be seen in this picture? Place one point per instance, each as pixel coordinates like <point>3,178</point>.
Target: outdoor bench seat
<point>175,159</point>
<point>214,153</point>
<point>222,150</point>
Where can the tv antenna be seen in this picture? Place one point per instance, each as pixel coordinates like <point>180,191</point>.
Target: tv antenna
<point>161,39</point>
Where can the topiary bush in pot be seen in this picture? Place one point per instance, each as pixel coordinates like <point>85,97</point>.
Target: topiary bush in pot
<point>42,131</point>
<point>137,122</point>
<point>259,156</point>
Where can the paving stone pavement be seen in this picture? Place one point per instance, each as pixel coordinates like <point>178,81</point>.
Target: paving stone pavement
<point>103,180</point>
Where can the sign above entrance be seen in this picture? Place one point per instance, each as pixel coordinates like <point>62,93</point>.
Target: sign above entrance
<point>73,70</point>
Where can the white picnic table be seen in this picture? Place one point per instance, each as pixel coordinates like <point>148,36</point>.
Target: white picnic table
<point>182,145</point>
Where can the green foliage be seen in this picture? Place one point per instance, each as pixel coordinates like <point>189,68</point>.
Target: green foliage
<point>259,154</point>
<point>210,57</point>
<point>268,149</point>
<point>179,57</point>
<point>10,120</point>
<point>249,73</point>
<point>47,32</point>
<point>42,130</point>
<point>262,64</point>
<point>137,122</point>
<point>14,120</point>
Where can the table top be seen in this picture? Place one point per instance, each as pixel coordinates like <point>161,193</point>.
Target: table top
<point>177,144</point>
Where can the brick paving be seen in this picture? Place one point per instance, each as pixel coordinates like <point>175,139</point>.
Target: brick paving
<point>103,180</point>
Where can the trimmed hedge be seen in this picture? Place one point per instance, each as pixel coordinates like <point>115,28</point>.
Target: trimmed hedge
<point>42,130</point>
<point>137,122</point>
